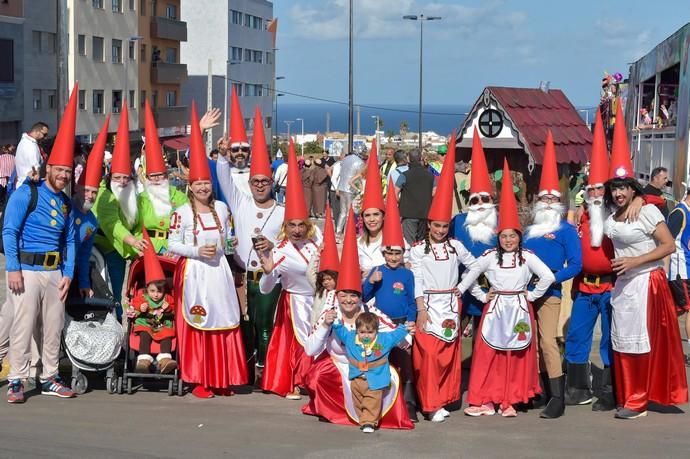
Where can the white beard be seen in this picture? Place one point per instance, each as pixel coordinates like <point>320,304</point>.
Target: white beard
<point>597,217</point>
<point>86,206</point>
<point>127,198</point>
<point>159,195</point>
<point>547,219</point>
<point>481,226</point>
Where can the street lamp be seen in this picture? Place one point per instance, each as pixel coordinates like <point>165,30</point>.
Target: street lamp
<point>288,129</point>
<point>301,144</point>
<point>225,102</point>
<point>274,125</point>
<point>376,132</point>
<point>421,18</point>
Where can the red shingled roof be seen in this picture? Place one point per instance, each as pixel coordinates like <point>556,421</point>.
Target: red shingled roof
<point>534,111</point>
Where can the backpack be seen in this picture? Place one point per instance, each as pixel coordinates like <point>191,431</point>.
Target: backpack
<point>33,202</point>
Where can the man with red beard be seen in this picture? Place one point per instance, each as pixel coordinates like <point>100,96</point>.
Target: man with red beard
<point>476,229</point>
<point>556,243</point>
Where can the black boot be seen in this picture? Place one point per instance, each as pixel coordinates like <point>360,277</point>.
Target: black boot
<point>606,400</point>
<point>410,396</point>
<point>578,391</point>
<point>540,400</point>
<point>556,405</point>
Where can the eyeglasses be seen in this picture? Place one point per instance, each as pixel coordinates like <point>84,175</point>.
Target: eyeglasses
<point>475,200</point>
<point>260,182</point>
<point>549,198</point>
<point>238,149</point>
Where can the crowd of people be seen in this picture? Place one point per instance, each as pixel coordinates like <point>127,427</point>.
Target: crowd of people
<point>369,330</point>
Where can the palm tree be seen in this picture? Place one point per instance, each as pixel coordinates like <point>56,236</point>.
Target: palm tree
<point>404,126</point>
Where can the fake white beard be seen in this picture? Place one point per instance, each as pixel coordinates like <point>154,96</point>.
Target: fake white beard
<point>597,217</point>
<point>86,205</point>
<point>481,226</point>
<point>159,195</point>
<point>547,219</point>
<point>127,198</point>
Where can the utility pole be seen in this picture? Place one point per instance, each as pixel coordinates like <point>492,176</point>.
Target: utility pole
<point>62,90</point>
<point>328,122</point>
<point>209,103</point>
<point>350,111</point>
<point>359,116</point>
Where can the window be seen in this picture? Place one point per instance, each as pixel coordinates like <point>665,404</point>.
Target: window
<point>142,54</point>
<point>81,44</point>
<point>117,51</point>
<point>51,98</point>
<point>48,44</point>
<point>82,99</point>
<point>236,53</point>
<point>37,99</point>
<point>142,99</point>
<point>132,50</point>
<point>247,20</point>
<point>249,90</point>
<point>171,55</point>
<point>171,98</point>
<point>117,101</point>
<point>171,11</point>
<point>269,58</point>
<point>97,101</point>
<point>6,61</point>
<point>132,102</point>
<point>142,7</point>
<point>117,6</point>
<point>36,41</point>
<point>257,22</point>
<point>131,5</point>
<point>154,99</point>
<point>257,56</point>
<point>97,49</point>
<point>268,122</point>
<point>238,89</point>
<point>97,4</point>
<point>236,17</point>
<point>247,55</point>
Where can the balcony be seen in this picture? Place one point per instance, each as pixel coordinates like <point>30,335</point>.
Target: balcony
<point>165,73</point>
<point>168,29</point>
<point>171,116</point>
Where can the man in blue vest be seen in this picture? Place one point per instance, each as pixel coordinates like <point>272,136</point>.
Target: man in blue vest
<point>679,268</point>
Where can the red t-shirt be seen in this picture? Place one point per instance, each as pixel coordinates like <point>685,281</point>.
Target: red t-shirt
<point>595,260</point>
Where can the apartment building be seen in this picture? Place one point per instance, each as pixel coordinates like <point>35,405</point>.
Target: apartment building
<point>11,70</point>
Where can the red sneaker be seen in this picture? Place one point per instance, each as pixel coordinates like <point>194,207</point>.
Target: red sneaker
<point>202,392</point>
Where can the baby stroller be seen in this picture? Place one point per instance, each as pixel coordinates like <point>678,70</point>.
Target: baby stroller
<point>92,336</point>
<point>136,283</point>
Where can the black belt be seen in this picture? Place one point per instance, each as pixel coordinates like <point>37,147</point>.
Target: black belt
<point>49,260</point>
<point>254,276</point>
<point>157,234</point>
<point>593,279</point>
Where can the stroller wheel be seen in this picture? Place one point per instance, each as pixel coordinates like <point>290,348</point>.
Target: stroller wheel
<point>111,384</point>
<point>80,384</point>
<point>129,386</point>
<point>119,384</point>
<point>180,388</point>
<point>171,386</point>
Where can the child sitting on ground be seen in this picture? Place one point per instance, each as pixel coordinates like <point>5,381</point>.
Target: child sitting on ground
<point>369,372</point>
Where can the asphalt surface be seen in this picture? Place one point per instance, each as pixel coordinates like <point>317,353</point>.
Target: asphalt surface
<point>255,425</point>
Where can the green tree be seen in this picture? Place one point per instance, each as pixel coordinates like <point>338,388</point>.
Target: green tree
<point>390,134</point>
<point>404,127</point>
<point>312,148</point>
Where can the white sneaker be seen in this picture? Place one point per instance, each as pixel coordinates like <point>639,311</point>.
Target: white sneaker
<point>438,416</point>
<point>445,412</point>
<point>367,429</point>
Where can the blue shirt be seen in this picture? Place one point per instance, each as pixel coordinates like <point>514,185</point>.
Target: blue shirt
<point>397,173</point>
<point>49,228</point>
<point>555,249</point>
<point>378,377</point>
<point>471,305</point>
<point>394,294</point>
<point>86,226</point>
<point>276,162</point>
<point>215,185</point>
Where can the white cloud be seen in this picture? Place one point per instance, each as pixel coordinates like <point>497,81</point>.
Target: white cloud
<point>627,38</point>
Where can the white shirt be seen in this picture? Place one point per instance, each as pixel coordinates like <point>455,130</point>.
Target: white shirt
<point>28,156</point>
<point>241,179</point>
<point>335,176</point>
<point>280,178</point>
<point>370,255</point>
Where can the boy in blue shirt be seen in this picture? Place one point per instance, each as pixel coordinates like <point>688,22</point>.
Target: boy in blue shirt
<point>369,372</point>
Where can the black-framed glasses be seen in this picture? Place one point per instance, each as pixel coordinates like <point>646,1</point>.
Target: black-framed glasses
<point>239,149</point>
<point>261,182</point>
<point>475,200</point>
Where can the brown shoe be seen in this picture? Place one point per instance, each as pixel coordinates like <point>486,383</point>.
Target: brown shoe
<point>167,366</point>
<point>143,366</point>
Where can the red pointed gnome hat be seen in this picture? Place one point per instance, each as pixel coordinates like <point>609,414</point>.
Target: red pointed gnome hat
<point>373,195</point>
<point>548,183</point>
<point>599,160</point>
<point>479,180</point>
<point>62,153</point>
<point>295,205</point>
<point>507,208</point>
<point>121,163</point>
<point>442,204</point>
<point>260,164</point>
<point>621,165</point>
<point>329,255</point>
<point>155,164</point>
<point>94,165</point>
<point>198,162</point>
<point>237,132</point>
<point>349,275</point>
<point>153,271</point>
<point>392,229</point>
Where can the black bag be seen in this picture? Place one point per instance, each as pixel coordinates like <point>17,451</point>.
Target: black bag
<point>33,201</point>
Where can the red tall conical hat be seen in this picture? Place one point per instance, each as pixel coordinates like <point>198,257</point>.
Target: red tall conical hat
<point>155,164</point>
<point>349,275</point>
<point>599,160</point>
<point>548,183</point>
<point>329,255</point>
<point>507,208</point>
<point>238,134</point>
<point>621,164</point>
<point>479,180</point>
<point>121,163</point>
<point>373,195</point>
<point>198,162</point>
<point>392,229</point>
<point>442,204</point>
<point>260,164</point>
<point>295,205</point>
<point>153,271</point>
<point>94,165</point>
<point>62,153</point>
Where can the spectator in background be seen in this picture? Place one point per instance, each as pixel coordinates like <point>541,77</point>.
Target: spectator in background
<point>319,188</point>
<point>387,169</point>
<point>416,189</point>
<point>349,167</point>
<point>280,180</point>
<point>654,193</point>
<point>334,175</point>
<point>277,162</point>
<point>28,159</point>
<point>307,173</point>
<point>6,169</point>
<point>214,155</point>
<point>401,162</point>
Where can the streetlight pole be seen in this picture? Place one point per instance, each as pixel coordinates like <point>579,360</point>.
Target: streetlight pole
<point>225,102</point>
<point>288,129</point>
<point>301,144</point>
<point>421,18</point>
<point>350,107</point>
<point>274,125</point>
<point>376,132</point>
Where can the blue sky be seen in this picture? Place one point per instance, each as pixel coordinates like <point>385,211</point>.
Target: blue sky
<point>478,43</point>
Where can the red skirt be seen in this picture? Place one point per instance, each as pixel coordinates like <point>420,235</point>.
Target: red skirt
<point>659,375</point>
<point>286,363</point>
<point>327,401</point>
<point>436,365</point>
<point>503,377</point>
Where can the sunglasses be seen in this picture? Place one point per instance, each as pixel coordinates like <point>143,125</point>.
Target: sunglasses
<point>475,200</point>
<point>238,149</point>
